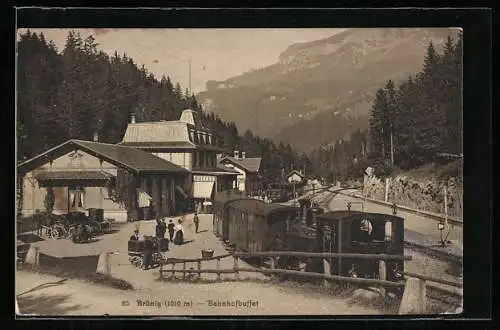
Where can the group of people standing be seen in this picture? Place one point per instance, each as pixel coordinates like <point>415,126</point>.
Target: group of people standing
<point>175,232</point>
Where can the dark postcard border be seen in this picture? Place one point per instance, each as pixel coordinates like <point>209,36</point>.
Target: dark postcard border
<point>477,99</point>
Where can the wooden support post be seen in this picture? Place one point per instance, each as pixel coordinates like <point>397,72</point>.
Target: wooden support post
<point>273,263</point>
<point>183,270</point>
<point>199,269</point>
<point>339,244</point>
<point>386,197</point>
<point>218,269</point>
<point>173,268</point>
<point>445,192</point>
<point>382,271</point>
<point>172,195</point>
<point>414,297</point>
<point>326,270</point>
<point>235,267</point>
<point>157,204</point>
<point>161,271</point>
<point>164,197</point>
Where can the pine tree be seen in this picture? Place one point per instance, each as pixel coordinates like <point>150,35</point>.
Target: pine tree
<point>379,125</point>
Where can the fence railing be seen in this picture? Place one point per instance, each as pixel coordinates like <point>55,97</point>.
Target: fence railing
<point>429,215</point>
<point>381,282</point>
<point>435,280</point>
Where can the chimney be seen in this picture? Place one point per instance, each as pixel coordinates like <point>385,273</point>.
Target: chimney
<point>96,137</point>
<point>243,154</point>
<point>132,118</point>
<point>236,154</point>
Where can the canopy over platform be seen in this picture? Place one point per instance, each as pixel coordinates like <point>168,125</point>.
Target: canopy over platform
<point>63,178</point>
<point>203,190</point>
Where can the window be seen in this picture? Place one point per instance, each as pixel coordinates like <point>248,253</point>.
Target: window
<point>362,231</point>
<point>77,197</point>
<point>210,160</point>
<point>388,230</point>
<point>202,159</point>
<point>288,223</point>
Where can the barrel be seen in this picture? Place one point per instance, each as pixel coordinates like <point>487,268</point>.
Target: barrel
<point>207,253</point>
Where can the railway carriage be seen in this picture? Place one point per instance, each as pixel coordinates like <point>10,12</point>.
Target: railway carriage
<point>220,213</point>
<point>355,232</point>
<point>255,226</point>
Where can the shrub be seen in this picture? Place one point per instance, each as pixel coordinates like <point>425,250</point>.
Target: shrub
<point>50,200</point>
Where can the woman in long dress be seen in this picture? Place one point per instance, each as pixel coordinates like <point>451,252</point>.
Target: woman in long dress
<point>179,233</point>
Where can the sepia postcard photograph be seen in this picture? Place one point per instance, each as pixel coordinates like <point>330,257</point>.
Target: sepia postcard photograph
<point>239,171</point>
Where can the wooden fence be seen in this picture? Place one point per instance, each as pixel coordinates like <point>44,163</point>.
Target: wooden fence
<point>382,282</point>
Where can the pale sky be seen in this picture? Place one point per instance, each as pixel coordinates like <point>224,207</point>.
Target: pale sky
<point>216,54</point>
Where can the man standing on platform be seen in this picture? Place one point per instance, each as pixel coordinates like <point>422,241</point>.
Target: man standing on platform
<point>196,221</point>
<point>148,253</point>
<point>171,229</point>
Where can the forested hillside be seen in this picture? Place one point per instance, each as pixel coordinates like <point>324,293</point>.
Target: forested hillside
<point>411,125</point>
<point>80,90</point>
<point>422,119</point>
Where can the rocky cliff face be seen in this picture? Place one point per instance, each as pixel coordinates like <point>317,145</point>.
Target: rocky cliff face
<point>424,193</point>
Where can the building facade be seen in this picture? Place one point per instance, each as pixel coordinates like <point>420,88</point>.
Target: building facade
<point>84,175</point>
<point>171,164</point>
<point>248,169</point>
<point>188,144</point>
<point>295,177</point>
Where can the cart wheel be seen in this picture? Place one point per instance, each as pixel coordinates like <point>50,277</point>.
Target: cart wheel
<point>71,233</point>
<point>54,233</point>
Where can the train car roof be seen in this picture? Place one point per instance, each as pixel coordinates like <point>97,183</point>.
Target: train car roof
<point>225,197</point>
<point>346,215</point>
<point>260,207</point>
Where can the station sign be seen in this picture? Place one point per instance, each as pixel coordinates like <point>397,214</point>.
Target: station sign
<point>203,178</point>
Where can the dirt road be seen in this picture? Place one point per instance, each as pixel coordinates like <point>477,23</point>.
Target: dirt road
<point>74,297</point>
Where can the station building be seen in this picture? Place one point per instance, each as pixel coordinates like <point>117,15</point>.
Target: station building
<point>157,170</point>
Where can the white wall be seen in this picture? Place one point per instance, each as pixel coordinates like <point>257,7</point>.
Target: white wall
<point>240,179</point>
<point>182,159</point>
<point>294,178</point>
<point>33,195</point>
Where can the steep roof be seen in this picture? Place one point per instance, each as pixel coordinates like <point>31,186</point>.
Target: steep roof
<point>226,169</point>
<point>173,134</point>
<point>220,170</point>
<point>248,164</point>
<point>224,197</point>
<point>260,207</point>
<point>157,132</point>
<point>295,172</point>
<point>130,158</point>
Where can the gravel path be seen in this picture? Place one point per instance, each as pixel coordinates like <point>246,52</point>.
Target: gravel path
<point>80,298</point>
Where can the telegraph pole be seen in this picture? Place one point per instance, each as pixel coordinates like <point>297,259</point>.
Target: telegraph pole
<point>190,91</point>
<point>383,144</point>
<point>392,151</point>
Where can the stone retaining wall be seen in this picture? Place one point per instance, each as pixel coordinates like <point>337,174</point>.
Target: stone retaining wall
<point>422,194</point>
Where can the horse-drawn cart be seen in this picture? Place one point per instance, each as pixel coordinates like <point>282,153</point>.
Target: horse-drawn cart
<point>136,250</point>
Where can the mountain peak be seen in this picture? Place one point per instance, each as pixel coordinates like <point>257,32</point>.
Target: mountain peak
<point>337,74</point>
